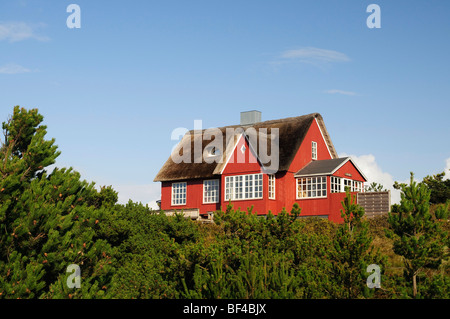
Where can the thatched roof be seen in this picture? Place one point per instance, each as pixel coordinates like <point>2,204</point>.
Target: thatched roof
<point>291,131</point>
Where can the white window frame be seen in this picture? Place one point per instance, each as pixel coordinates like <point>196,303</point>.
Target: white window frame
<point>271,187</point>
<point>211,191</point>
<point>357,186</point>
<point>347,183</point>
<point>238,188</point>
<point>179,194</point>
<point>335,184</point>
<point>314,150</point>
<point>310,187</point>
<point>244,187</point>
<point>338,184</point>
<point>258,186</point>
<point>229,187</point>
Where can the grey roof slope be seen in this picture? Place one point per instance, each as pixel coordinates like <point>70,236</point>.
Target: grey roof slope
<point>321,167</point>
<point>326,167</point>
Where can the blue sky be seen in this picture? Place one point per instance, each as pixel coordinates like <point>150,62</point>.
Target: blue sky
<point>113,90</point>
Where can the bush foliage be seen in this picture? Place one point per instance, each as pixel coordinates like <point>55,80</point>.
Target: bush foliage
<point>50,220</point>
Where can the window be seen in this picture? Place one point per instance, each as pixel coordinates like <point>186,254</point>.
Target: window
<point>212,151</point>
<point>314,150</point>
<point>248,186</point>
<point>271,186</point>
<point>179,193</point>
<point>336,184</point>
<point>229,187</point>
<point>243,187</point>
<point>357,186</point>
<point>211,191</point>
<point>258,181</point>
<point>347,183</point>
<point>312,187</point>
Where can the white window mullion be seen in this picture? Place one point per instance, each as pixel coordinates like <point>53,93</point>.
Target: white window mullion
<point>312,187</point>
<point>244,187</point>
<point>314,150</point>
<point>211,191</point>
<point>179,193</point>
<point>271,186</point>
<point>238,187</point>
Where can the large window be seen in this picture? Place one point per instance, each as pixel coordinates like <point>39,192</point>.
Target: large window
<point>211,191</point>
<point>179,193</point>
<point>271,186</point>
<point>243,187</point>
<point>336,183</point>
<point>312,187</point>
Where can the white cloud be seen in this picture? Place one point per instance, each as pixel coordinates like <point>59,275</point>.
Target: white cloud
<point>12,68</point>
<point>310,54</point>
<point>19,31</point>
<point>153,205</point>
<point>447,169</point>
<point>374,173</point>
<point>320,58</point>
<point>334,91</point>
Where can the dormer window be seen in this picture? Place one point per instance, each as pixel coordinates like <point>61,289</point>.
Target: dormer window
<point>213,151</point>
<point>314,150</point>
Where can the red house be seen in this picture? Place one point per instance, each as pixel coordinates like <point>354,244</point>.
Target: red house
<point>268,165</point>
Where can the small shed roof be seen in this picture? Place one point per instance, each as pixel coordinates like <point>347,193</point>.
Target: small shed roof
<point>321,167</point>
<point>325,167</point>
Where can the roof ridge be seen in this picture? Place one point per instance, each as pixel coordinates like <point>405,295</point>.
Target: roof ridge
<point>287,119</point>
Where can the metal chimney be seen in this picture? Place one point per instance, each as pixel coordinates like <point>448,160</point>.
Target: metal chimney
<point>250,117</point>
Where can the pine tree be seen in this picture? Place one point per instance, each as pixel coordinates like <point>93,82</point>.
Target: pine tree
<point>353,251</point>
<point>439,188</point>
<point>418,236</point>
<point>46,220</point>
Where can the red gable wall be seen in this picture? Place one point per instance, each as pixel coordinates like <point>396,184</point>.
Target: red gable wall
<point>239,163</point>
<point>242,164</point>
<point>303,155</point>
<point>286,187</point>
<point>349,168</point>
